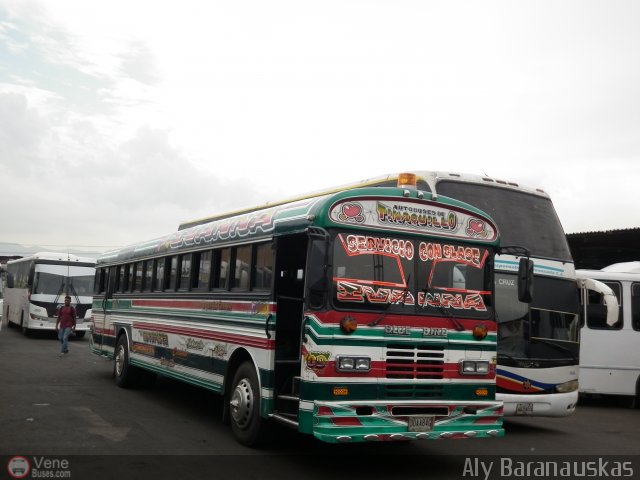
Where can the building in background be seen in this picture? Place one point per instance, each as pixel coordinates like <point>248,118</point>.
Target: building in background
<point>596,250</point>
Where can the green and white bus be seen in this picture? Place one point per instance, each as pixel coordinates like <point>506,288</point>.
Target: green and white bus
<point>361,315</point>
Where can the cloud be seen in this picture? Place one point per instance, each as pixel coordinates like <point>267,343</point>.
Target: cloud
<point>22,132</point>
<point>139,63</point>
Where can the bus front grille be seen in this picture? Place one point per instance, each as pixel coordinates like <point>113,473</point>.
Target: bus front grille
<point>416,362</point>
<point>413,391</point>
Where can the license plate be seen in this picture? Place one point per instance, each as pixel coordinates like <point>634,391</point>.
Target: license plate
<point>524,409</point>
<point>421,423</point>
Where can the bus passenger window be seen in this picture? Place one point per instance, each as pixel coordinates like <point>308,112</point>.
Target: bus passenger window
<point>263,269</point>
<point>124,278</point>
<point>116,288</point>
<point>597,311</point>
<point>185,272</point>
<point>242,269</point>
<point>222,262</point>
<point>148,276</point>
<point>173,273</point>
<point>159,286</point>
<point>202,262</point>
<point>635,306</point>
<point>137,285</point>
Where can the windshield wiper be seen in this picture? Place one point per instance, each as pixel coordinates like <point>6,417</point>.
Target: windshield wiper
<point>75,293</point>
<point>456,323</point>
<point>55,301</point>
<point>558,347</point>
<point>402,299</point>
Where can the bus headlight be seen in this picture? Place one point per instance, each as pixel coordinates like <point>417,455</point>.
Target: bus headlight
<point>353,364</point>
<point>566,387</point>
<point>474,367</point>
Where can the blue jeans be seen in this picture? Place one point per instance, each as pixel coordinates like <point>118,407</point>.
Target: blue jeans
<point>63,336</point>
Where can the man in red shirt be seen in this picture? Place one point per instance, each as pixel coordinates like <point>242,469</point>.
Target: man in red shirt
<point>66,324</point>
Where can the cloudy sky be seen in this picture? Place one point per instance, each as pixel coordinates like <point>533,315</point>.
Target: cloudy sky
<point>120,119</point>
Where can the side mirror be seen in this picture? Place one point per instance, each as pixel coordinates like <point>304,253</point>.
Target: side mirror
<point>525,280</point>
<point>9,280</point>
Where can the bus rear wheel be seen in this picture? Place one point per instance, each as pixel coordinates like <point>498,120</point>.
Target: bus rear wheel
<point>244,403</point>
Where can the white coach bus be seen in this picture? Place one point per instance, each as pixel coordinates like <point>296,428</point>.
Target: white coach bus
<point>610,351</point>
<point>36,287</point>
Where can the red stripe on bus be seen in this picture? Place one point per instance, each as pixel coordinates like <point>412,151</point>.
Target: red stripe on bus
<point>246,340</point>
<point>252,307</point>
<point>487,420</point>
<point>346,422</point>
<point>391,369</point>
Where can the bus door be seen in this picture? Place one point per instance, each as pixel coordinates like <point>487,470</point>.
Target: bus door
<point>107,287</point>
<point>291,254</point>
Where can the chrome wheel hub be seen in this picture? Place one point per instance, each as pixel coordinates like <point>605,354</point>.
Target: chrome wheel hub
<point>242,403</point>
<point>119,360</point>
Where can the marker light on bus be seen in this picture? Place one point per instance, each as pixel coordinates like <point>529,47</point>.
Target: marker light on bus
<point>407,180</point>
<point>480,331</point>
<point>348,324</point>
<point>474,367</point>
<point>353,364</point>
<point>482,392</point>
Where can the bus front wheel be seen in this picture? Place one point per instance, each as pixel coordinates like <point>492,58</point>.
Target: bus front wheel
<point>126,375</point>
<point>122,371</point>
<point>244,405</point>
<point>25,331</point>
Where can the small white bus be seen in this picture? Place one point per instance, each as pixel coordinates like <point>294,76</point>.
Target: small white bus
<point>610,351</point>
<point>36,287</point>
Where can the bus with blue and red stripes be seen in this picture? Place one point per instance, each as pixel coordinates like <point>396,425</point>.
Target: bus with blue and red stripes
<point>365,314</point>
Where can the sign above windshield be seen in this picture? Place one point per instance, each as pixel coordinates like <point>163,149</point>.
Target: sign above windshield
<point>413,216</point>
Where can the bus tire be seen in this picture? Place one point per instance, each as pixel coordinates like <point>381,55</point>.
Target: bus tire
<point>80,335</point>
<point>124,374</point>
<point>244,403</point>
<point>25,331</point>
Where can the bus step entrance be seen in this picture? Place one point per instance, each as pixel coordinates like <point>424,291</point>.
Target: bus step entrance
<point>288,400</point>
<point>285,419</point>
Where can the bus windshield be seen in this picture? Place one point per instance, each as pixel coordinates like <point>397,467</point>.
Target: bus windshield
<point>48,283</point>
<point>406,276</point>
<point>82,285</point>
<point>52,284</point>
<point>523,219</point>
<point>540,331</point>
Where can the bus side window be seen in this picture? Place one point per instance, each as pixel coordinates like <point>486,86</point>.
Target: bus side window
<point>242,267</point>
<point>173,272</point>
<point>202,273</point>
<point>635,306</point>
<point>263,267</point>
<point>124,278</point>
<point>148,275</point>
<point>221,263</point>
<point>597,311</point>
<point>184,280</point>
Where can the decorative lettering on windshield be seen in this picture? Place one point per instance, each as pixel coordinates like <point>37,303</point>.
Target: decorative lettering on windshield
<point>353,292</point>
<point>376,271</point>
